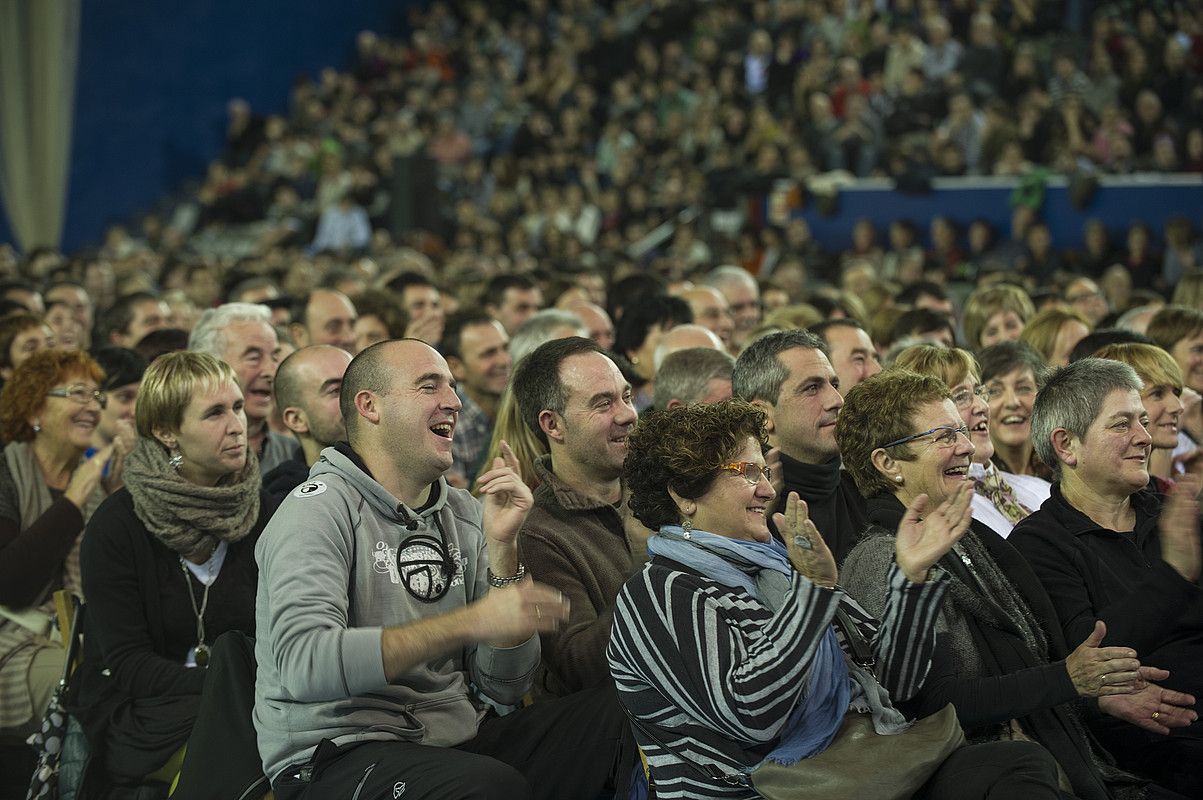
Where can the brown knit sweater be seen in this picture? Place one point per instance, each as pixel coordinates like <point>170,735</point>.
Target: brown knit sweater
<point>581,546</point>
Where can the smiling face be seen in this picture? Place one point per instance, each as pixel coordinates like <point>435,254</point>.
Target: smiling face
<point>1188,352</point>
<point>65,420</point>
<point>212,435</point>
<point>1011,399</point>
<point>67,332</point>
<point>1163,405</point>
<point>938,468</point>
<point>590,437</point>
<point>252,349</point>
<point>975,413</point>
<point>1004,326</point>
<point>25,344</point>
<point>1113,457</point>
<point>419,409</point>
<point>483,368</point>
<point>733,508</point>
<point>802,422</point>
<point>121,406</point>
<point>852,355</point>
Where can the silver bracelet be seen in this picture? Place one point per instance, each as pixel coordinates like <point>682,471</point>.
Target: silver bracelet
<point>499,583</point>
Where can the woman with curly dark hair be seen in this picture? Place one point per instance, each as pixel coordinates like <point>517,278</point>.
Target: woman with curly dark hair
<point>49,411</point>
<point>724,646</point>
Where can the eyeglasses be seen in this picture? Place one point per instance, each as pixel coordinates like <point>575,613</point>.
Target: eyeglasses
<point>81,395</point>
<point>750,470</point>
<point>945,436</point>
<point>964,398</point>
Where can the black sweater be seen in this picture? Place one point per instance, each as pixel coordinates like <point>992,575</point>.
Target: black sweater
<point>836,507</point>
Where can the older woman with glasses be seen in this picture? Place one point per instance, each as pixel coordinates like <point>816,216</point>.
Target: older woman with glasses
<point>1000,657</point>
<point>1000,499</point>
<point>49,410</point>
<point>168,565</point>
<point>723,648</point>
<point>1106,547</point>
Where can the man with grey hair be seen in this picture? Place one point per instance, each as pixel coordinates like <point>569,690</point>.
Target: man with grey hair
<point>693,375</point>
<point>307,393</point>
<point>743,299</point>
<point>545,325</point>
<point>1119,558</point>
<point>241,334</point>
<point>787,374</point>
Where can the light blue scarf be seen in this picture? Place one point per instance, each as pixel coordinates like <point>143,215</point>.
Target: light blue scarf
<point>763,570</point>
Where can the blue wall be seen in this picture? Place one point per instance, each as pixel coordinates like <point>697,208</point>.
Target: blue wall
<point>154,79</point>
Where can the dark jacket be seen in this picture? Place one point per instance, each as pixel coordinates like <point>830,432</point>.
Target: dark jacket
<point>835,506</point>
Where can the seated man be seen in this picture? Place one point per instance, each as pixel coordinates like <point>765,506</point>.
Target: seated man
<point>387,599</point>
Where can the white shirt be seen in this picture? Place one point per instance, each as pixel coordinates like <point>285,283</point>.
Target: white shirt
<point>1030,491</point>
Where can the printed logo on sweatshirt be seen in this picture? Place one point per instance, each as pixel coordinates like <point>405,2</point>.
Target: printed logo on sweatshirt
<point>309,489</point>
<point>424,566</point>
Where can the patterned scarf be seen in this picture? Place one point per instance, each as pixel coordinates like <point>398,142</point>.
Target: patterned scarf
<point>190,519</point>
<point>991,485</point>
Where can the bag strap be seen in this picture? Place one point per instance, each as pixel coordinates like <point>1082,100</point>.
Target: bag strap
<point>859,648</point>
<point>708,771</point>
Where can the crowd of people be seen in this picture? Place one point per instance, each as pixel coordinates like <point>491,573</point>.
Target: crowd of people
<point>577,469</point>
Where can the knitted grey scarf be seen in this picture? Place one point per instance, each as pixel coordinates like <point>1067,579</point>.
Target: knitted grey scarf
<point>190,519</point>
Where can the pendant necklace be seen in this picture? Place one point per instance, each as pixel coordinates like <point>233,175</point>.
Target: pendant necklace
<point>202,649</point>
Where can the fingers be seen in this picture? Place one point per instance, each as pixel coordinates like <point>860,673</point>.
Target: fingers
<point>1153,673</point>
<point>511,460</point>
<point>916,510</point>
<point>103,454</point>
<point>1096,636</point>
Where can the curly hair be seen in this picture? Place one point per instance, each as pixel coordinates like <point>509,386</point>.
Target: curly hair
<point>879,410</point>
<point>680,449</point>
<point>24,395</point>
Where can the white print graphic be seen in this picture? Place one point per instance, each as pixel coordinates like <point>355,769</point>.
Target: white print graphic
<point>458,558</point>
<point>398,789</point>
<point>386,562</point>
<point>309,489</point>
<point>427,568</point>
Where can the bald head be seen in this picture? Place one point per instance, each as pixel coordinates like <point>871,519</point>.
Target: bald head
<point>327,318</point>
<point>684,337</point>
<point>308,385</point>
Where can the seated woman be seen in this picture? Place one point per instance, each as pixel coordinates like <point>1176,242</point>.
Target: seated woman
<point>49,410</point>
<point>1000,657</point>
<point>168,565</point>
<point>1012,373</point>
<point>723,647</point>
<point>1000,499</point>
<point>1108,548</point>
<point>1161,397</point>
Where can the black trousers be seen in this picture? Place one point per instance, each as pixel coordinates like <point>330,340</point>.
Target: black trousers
<point>995,771</point>
<point>568,747</point>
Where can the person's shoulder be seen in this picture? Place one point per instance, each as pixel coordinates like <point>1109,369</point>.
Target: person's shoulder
<point>116,509</point>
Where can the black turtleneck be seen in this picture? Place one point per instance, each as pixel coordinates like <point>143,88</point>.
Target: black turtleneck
<point>836,507</point>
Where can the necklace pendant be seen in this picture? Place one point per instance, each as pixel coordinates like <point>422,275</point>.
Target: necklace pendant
<point>202,655</point>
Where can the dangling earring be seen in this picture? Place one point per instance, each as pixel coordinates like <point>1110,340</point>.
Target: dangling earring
<point>176,459</point>
<point>687,527</point>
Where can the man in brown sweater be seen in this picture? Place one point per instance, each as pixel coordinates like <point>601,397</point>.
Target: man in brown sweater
<point>579,537</point>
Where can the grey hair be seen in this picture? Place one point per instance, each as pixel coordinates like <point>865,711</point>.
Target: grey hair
<point>209,333</point>
<point>758,373</point>
<point>727,274</point>
<point>684,374</point>
<point>1072,398</point>
<point>541,328</point>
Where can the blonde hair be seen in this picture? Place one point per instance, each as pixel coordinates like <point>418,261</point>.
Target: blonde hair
<point>170,383</point>
<point>984,303</point>
<point>1041,332</point>
<point>1190,291</point>
<point>1154,366</point>
<point>950,364</point>
<point>513,430</point>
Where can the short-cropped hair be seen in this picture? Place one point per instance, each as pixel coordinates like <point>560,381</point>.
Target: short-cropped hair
<point>759,373</point>
<point>1172,324</point>
<point>209,333</point>
<point>950,364</point>
<point>369,371</point>
<point>1004,358</point>
<point>1153,366</point>
<point>685,374</point>
<point>877,411</point>
<point>681,449</point>
<point>1072,398</point>
<point>170,383</point>
<point>24,394</point>
<point>536,382</point>
<point>984,303</point>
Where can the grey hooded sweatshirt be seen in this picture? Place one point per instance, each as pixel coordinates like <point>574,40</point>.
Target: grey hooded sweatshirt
<point>341,560</point>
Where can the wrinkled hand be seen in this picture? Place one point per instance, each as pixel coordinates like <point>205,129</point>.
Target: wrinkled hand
<point>1098,671</point>
<point>923,538</point>
<point>507,500</point>
<point>507,616</point>
<point>1152,708</point>
<point>1191,461</point>
<point>1179,527</point>
<point>123,443</point>
<point>87,476</point>
<point>428,329</point>
<point>807,551</point>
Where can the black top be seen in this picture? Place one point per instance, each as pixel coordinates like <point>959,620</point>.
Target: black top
<point>285,477</point>
<point>836,507</point>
